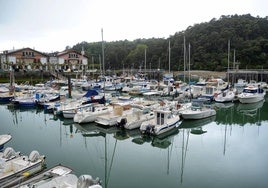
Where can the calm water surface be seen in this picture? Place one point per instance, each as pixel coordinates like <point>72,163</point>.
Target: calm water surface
<point>229,150</point>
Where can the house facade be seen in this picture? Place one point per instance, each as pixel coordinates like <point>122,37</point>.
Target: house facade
<point>72,60</point>
<point>23,59</point>
<point>30,59</point>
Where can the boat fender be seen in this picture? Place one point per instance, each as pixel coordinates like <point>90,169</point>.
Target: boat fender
<point>95,186</point>
<point>34,156</point>
<point>85,181</point>
<point>8,152</point>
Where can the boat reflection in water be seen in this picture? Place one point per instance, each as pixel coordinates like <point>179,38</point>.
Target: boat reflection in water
<point>223,105</point>
<point>88,130</point>
<point>251,113</point>
<point>250,109</point>
<point>195,126</point>
<point>161,141</point>
<point>123,134</point>
<point>91,130</point>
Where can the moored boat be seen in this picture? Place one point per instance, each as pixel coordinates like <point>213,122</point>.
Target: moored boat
<point>44,176</point>
<point>70,181</point>
<point>251,94</point>
<point>226,95</point>
<point>90,114</point>
<point>20,167</point>
<point>198,110</point>
<point>6,97</point>
<point>162,122</point>
<point>135,119</point>
<point>111,118</point>
<point>4,138</point>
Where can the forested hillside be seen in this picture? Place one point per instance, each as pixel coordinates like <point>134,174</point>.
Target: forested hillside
<point>208,41</point>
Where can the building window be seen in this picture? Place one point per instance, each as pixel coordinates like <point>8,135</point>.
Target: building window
<point>73,55</point>
<point>28,54</point>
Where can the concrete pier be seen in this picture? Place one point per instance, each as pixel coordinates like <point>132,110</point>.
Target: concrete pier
<point>259,75</point>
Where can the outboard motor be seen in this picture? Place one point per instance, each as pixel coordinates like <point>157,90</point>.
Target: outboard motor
<point>122,122</point>
<point>34,156</point>
<point>86,181</point>
<point>8,153</point>
<point>149,129</point>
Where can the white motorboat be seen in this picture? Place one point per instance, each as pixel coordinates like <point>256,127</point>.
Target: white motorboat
<point>44,177</point>
<point>208,92</point>
<point>162,122</point>
<point>20,167</point>
<point>70,181</point>
<point>88,115</point>
<point>24,101</point>
<point>198,110</point>
<point>70,112</point>
<point>226,95</point>
<point>6,97</point>
<point>4,138</point>
<point>251,94</point>
<point>68,105</point>
<point>111,118</point>
<point>134,120</point>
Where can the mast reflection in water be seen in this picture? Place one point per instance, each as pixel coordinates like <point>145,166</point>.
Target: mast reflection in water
<point>227,150</point>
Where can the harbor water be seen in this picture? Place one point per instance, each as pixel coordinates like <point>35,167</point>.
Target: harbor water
<point>228,150</point>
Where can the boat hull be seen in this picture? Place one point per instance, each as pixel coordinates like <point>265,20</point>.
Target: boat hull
<point>166,128</point>
<point>228,97</point>
<point>191,114</point>
<point>136,120</point>
<point>250,98</point>
<point>4,139</point>
<point>18,168</point>
<point>149,127</point>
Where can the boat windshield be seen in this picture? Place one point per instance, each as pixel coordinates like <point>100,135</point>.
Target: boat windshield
<point>250,91</point>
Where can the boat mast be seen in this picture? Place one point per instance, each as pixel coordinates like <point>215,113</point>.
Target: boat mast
<point>228,61</point>
<point>102,45</point>
<point>233,67</point>
<point>189,64</point>
<point>145,62</point>
<point>169,56</point>
<point>100,64</point>
<point>234,60</point>
<point>184,58</point>
<point>92,67</point>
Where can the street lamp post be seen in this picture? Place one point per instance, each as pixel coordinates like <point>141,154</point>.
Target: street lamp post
<point>68,73</point>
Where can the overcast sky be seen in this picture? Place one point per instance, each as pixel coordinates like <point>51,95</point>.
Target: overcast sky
<point>51,25</point>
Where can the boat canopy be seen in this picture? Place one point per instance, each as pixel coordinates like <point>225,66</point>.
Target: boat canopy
<point>90,93</point>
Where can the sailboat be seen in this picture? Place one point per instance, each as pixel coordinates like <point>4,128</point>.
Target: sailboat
<point>227,94</point>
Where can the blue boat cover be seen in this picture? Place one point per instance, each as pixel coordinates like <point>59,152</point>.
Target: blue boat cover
<point>90,93</point>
